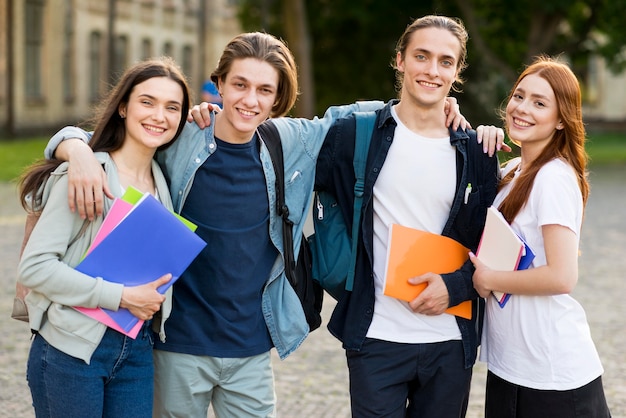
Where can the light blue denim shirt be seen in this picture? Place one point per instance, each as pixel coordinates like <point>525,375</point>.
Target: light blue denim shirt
<point>301,140</point>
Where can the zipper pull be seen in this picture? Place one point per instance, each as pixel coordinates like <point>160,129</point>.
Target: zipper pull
<point>320,208</point>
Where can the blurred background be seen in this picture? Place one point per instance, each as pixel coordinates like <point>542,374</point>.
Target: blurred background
<point>57,57</point>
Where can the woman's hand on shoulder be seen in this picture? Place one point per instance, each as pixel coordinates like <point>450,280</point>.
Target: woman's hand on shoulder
<point>492,138</point>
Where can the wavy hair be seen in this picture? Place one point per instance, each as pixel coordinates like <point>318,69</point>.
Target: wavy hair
<point>110,129</point>
<point>567,143</point>
<point>264,47</point>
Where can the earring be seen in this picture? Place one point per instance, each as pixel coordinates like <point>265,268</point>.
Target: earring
<point>122,115</point>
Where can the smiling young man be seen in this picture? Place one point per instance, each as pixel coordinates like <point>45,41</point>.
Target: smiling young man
<point>233,304</point>
<point>412,359</point>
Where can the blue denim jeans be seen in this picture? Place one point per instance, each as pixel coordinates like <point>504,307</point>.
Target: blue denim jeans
<point>117,383</point>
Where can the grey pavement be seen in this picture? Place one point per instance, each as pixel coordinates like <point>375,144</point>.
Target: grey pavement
<point>313,381</point>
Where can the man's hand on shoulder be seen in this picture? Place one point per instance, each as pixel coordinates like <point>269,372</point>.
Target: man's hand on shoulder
<point>87,182</point>
<point>201,114</point>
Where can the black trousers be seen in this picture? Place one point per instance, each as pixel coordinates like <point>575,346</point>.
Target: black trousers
<point>389,379</point>
<point>506,400</point>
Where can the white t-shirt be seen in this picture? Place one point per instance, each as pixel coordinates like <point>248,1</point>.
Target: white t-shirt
<point>542,342</point>
<point>415,188</point>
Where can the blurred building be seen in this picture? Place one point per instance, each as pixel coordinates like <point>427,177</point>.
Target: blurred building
<point>604,99</point>
<point>58,57</point>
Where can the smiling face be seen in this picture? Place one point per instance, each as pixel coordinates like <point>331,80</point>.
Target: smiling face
<point>532,114</point>
<point>430,66</point>
<point>249,91</point>
<point>153,112</point>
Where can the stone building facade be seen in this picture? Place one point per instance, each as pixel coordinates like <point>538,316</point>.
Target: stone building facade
<point>605,98</point>
<point>57,57</point>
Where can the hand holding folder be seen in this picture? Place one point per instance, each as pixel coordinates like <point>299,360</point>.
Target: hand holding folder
<point>411,253</point>
<point>502,249</point>
<point>143,243</point>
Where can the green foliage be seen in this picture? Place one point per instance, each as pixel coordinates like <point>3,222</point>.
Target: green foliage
<point>353,42</point>
<point>606,148</point>
<point>352,53</point>
<point>611,24</point>
<point>17,154</point>
<point>603,148</point>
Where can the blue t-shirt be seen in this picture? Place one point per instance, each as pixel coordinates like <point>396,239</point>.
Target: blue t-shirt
<point>217,301</point>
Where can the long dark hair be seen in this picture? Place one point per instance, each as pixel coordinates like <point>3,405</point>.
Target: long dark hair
<point>110,130</point>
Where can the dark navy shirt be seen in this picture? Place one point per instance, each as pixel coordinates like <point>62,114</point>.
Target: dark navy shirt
<point>217,301</point>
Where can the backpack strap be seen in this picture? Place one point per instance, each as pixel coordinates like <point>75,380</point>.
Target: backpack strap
<point>268,133</point>
<point>364,127</point>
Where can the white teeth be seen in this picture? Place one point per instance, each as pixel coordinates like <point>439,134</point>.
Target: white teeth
<point>246,113</point>
<point>155,129</point>
<point>521,123</point>
<point>427,84</point>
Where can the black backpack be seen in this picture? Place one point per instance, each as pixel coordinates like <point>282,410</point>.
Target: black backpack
<point>298,271</point>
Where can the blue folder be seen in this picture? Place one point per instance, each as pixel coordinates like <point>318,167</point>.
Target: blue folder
<point>148,243</point>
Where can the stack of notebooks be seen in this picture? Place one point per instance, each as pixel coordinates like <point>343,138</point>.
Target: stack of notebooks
<point>139,241</point>
<point>502,249</point>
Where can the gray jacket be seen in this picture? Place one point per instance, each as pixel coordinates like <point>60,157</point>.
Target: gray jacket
<point>46,267</point>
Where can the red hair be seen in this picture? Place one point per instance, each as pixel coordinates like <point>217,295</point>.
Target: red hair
<point>567,143</point>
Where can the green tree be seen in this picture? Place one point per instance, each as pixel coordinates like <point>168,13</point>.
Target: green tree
<point>505,36</point>
<point>352,42</point>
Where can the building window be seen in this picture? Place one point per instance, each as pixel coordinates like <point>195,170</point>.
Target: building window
<point>33,48</point>
<point>146,49</point>
<point>187,62</point>
<point>95,65</point>
<point>592,90</point>
<point>168,49</point>
<point>121,57</point>
<point>68,56</point>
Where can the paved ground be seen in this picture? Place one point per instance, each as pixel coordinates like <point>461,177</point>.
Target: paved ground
<point>313,382</point>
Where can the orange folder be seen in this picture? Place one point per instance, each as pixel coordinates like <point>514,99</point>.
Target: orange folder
<point>411,253</point>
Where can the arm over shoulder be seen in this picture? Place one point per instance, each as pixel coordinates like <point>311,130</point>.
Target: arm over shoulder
<point>65,133</point>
